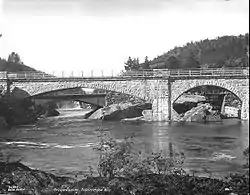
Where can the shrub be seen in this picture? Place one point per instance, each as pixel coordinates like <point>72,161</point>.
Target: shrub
<point>121,159</point>
<point>246,155</point>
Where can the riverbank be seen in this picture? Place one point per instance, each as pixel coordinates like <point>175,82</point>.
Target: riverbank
<point>16,177</point>
<point>14,111</point>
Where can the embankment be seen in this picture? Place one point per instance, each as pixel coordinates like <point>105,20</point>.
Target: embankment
<point>15,111</point>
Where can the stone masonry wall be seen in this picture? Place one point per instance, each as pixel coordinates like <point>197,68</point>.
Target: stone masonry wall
<point>3,85</point>
<point>144,89</point>
<point>154,91</point>
<point>240,87</point>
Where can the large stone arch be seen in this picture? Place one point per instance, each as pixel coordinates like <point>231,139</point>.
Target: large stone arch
<point>135,88</point>
<point>239,87</point>
<point>57,92</point>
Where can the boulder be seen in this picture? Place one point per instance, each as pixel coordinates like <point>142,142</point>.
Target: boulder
<point>181,108</point>
<point>196,114</point>
<point>120,111</point>
<point>98,114</point>
<point>91,112</point>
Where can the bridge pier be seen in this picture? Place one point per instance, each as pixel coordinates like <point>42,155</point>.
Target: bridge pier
<point>160,109</point>
<point>163,110</point>
<point>169,98</point>
<point>6,85</point>
<point>9,82</point>
<point>245,109</point>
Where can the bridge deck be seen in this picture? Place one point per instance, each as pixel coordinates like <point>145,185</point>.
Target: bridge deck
<point>132,75</point>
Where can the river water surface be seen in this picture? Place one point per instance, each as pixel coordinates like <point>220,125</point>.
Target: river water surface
<point>64,145</point>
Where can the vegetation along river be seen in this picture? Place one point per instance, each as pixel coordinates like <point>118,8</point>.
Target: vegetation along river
<point>64,145</point>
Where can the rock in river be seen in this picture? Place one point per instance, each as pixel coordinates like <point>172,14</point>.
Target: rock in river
<point>120,111</point>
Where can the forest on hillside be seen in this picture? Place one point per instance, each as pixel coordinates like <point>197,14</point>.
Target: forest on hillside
<point>14,64</point>
<point>226,51</point>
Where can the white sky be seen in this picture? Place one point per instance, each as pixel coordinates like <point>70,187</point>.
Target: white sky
<point>65,35</point>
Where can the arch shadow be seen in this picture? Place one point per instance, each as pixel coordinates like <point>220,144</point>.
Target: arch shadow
<point>208,91</point>
<point>95,91</point>
<point>215,86</point>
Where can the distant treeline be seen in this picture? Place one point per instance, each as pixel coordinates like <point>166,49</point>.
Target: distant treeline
<point>226,51</point>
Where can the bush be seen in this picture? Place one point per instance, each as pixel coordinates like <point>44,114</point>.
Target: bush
<point>121,159</point>
<point>246,155</point>
<point>127,171</point>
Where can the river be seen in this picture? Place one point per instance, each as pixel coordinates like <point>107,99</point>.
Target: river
<point>63,145</point>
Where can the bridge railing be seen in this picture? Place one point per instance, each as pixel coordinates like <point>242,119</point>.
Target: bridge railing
<point>210,72</point>
<point>142,73</point>
<point>189,72</point>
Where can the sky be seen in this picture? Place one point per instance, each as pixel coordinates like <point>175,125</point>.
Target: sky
<point>85,35</point>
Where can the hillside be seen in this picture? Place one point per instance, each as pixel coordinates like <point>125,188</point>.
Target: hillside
<point>226,51</point>
<point>13,66</point>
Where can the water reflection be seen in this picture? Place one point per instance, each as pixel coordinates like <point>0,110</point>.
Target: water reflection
<point>64,144</point>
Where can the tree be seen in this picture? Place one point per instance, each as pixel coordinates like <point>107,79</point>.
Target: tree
<point>14,57</point>
<point>192,60</point>
<point>128,64</point>
<point>173,63</point>
<point>132,64</point>
<point>216,52</point>
<point>146,63</point>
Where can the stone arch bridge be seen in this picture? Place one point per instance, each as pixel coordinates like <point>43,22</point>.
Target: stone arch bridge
<point>159,89</point>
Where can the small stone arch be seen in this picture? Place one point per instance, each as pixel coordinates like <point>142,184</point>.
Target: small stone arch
<point>212,86</point>
<point>229,86</point>
<point>236,87</point>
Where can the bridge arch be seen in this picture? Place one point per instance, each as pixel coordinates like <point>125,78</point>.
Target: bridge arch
<point>60,91</point>
<point>209,91</point>
<point>235,86</point>
<point>40,91</point>
<point>197,87</point>
<point>135,88</point>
